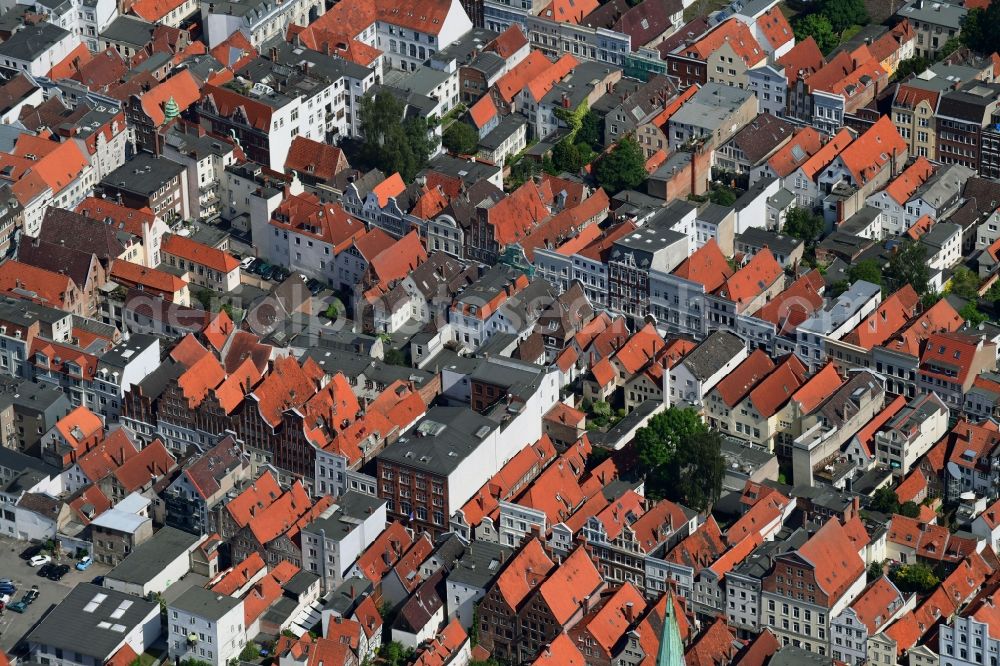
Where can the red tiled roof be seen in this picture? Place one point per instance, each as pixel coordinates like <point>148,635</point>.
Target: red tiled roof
<point>801,60</point>
<point>866,436</point>
<point>306,215</point>
<point>509,42</point>
<point>834,558</point>
<point>560,652</point>
<point>510,480</point>
<point>762,514</point>
<point>69,65</point>
<point>542,83</point>
<point>569,586</point>
<point>154,10</point>
<point>608,623</point>
<point>955,351</point>
<point>288,385</point>
<point>733,32</point>
<point>716,644</point>
<point>483,111</point>
<point>40,285</point>
<point>315,158</point>
<point>877,603</point>
<point>399,259</point>
<point>775,28</point>
<point>886,320</point>
<point>817,388</point>
<point>880,146</point>
<point>379,558</point>
<point>940,317</point>
<point>752,280</point>
<point>525,571</point>
<point>392,186</point>
<point>134,221</point>
<point>795,304</point>
<point>255,498</point>
<point>701,548</point>
<point>232,580</point>
<point>775,390</point>
<point>906,183</point>
<point>149,279</point>
<point>734,386</point>
<point>182,87</point>
<point>825,155</point>
<point>152,462</point>
<point>707,266</point>
<point>227,101</point>
<point>568,11</point>
<point>803,145</point>
<point>199,253</point>
<point>514,81</point>
<point>912,487</point>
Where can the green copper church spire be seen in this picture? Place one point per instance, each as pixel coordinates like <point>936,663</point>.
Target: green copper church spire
<point>170,111</point>
<point>671,652</point>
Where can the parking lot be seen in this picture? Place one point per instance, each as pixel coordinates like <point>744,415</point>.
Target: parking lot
<point>13,626</point>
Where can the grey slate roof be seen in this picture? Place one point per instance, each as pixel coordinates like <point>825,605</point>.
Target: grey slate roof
<point>32,41</point>
<point>149,558</point>
<point>71,626</point>
<point>204,603</point>
<point>144,174</point>
<point>129,30</point>
<point>712,354</point>
<point>441,440</point>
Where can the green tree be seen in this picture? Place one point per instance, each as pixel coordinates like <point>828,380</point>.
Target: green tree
<point>393,143</point>
<point>657,442</point>
<point>875,570</point>
<point>971,314</point>
<point>567,157</point>
<point>964,283</point>
<point>885,501</point>
<point>623,168</point>
<point>981,28</point>
<point>591,130</point>
<point>331,311</point>
<point>395,654</point>
<point>842,14</point>
<point>911,66</point>
<point>804,225</point>
<point>908,266</point>
<point>915,577</point>
<point>250,652</point>
<point>949,47</point>
<point>461,138</point>
<point>819,28</point>
<point>868,270</point>
<point>205,297</point>
<point>694,474</point>
<point>394,356</point>
<point>722,195</point>
<point>909,509</point>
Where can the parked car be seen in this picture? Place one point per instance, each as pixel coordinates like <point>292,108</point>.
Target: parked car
<point>98,580</point>
<point>39,560</point>
<point>4,599</point>
<point>46,569</point>
<point>8,589</point>
<point>30,595</point>
<point>247,262</point>
<point>254,265</point>
<point>56,573</point>
<point>18,607</point>
<point>314,286</point>
<point>85,563</point>
<point>261,267</point>
<point>280,274</point>
<point>31,551</point>
<point>267,272</point>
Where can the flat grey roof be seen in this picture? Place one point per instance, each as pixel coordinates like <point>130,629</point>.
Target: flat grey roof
<point>92,620</point>
<point>441,440</point>
<point>204,603</point>
<point>144,174</point>
<point>150,558</point>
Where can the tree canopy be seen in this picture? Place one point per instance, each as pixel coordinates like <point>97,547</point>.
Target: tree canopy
<point>914,577</point>
<point>567,156</point>
<point>908,266</point>
<point>623,168</point>
<point>591,130</point>
<point>819,28</point>
<point>970,313</point>
<point>981,28</point>
<point>842,14</point>
<point>393,143</point>
<point>965,283</point>
<point>461,138</point>
<point>914,65</point>
<point>804,225</point>
<point>868,270</point>
<point>683,458</point>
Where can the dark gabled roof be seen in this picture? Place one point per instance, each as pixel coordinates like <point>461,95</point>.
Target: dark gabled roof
<point>762,136</point>
<point>63,227</point>
<point>56,257</point>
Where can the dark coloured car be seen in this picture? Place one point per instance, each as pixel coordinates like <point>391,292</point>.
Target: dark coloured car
<point>31,551</point>
<point>46,569</point>
<point>268,272</point>
<point>30,595</point>
<point>280,274</point>
<point>314,286</point>
<point>261,267</point>
<point>58,572</point>
<point>254,265</point>
<point>18,606</point>
<point>98,580</point>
